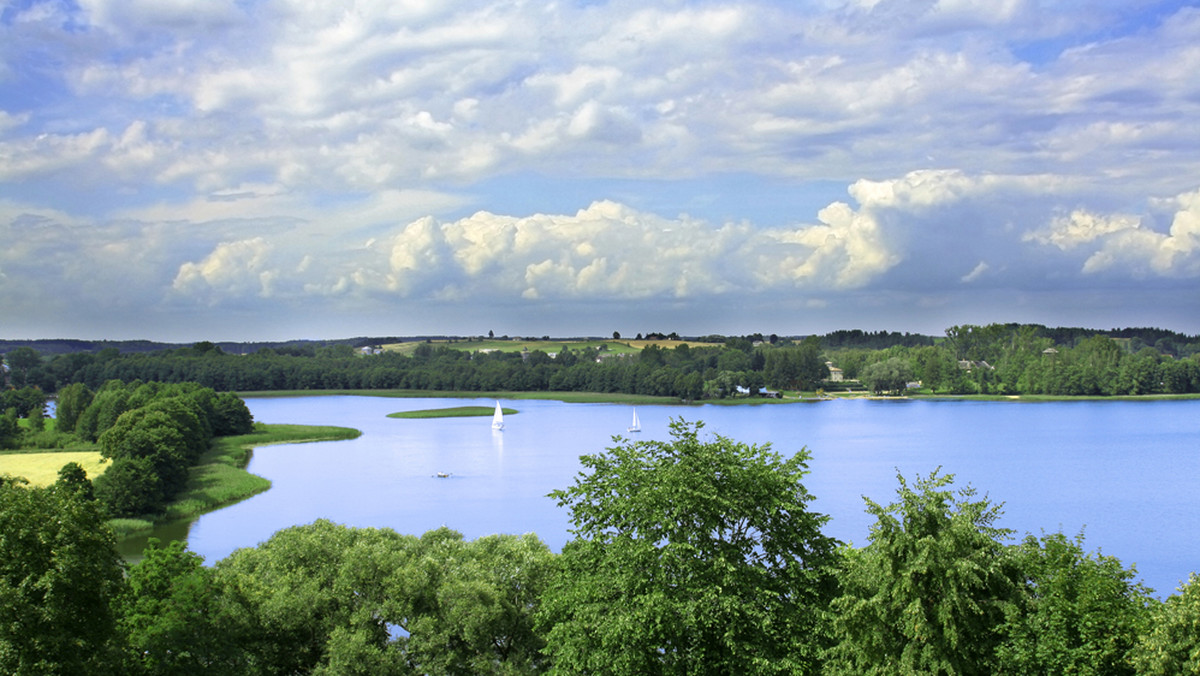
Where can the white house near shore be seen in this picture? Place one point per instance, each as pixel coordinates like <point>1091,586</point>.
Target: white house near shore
<point>835,373</point>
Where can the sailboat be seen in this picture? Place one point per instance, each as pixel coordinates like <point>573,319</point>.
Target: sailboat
<point>498,418</point>
<point>636,425</point>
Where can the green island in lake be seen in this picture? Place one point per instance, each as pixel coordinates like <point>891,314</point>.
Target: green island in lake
<point>452,412</point>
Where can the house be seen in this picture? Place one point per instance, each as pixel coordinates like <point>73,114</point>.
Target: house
<point>835,374</point>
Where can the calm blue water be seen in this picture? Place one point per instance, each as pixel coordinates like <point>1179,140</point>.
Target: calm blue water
<point>1128,473</point>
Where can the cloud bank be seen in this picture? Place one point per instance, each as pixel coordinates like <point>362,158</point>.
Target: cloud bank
<point>803,167</point>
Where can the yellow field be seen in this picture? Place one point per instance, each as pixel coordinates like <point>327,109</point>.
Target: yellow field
<point>42,468</point>
<point>668,344</point>
<point>617,346</point>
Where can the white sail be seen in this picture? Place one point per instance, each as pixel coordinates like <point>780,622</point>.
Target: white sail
<point>636,426</point>
<point>498,418</point>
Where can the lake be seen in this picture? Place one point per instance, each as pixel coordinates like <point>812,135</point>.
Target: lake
<point>1125,472</point>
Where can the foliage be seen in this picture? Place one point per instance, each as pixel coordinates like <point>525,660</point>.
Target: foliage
<point>158,436</point>
<point>468,606</point>
<point>796,367</point>
<point>58,574</point>
<point>1171,642</point>
<point>72,401</point>
<point>1080,613</point>
<point>891,375</point>
<point>930,591</point>
<point>325,598</point>
<point>170,616</point>
<point>10,431</point>
<point>690,556</point>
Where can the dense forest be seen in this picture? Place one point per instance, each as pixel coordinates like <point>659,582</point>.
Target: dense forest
<point>731,575</point>
<point>998,359</point>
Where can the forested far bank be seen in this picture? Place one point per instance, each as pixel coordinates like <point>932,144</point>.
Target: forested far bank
<point>998,359</point>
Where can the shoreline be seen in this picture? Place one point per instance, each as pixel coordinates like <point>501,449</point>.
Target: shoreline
<point>806,396</point>
<point>220,478</point>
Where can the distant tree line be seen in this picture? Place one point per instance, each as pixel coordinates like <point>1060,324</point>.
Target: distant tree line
<point>1028,359</point>
<point>732,574</point>
<point>993,359</point>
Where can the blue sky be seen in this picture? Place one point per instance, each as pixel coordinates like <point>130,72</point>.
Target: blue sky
<point>242,170</point>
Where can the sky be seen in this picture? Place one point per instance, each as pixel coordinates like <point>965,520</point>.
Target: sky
<point>268,170</point>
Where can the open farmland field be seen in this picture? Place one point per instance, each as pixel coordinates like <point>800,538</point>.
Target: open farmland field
<point>621,346</point>
<point>41,469</point>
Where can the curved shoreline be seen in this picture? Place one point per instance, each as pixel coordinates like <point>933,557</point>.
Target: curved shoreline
<point>220,478</point>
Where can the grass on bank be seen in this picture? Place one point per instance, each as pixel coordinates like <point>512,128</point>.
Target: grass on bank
<point>453,412</point>
<point>220,479</point>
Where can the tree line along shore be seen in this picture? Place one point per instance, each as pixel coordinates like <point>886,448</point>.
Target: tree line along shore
<point>998,360</point>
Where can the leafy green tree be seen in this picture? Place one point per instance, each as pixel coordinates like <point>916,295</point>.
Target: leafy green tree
<point>73,477</point>
<point>690,556</point>
<point>231,416</point>
<point>130,487</point>
<point>58,575</point>
<point>796,367</point>
<point>890,375</point>
<point>22,360</point>
<point>1170,643</point>
<point>10,430</point>
<point>468,607</point>
<point>930,591</point>
<point>170,616</point>
<point>1081,613</point>
<point>72,401</point>
<point>107,405</point>
<point>327,599</point>
<point>283,599</point>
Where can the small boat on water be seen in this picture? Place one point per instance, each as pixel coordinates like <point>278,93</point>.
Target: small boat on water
<point>443,475</point>
<point>636,426</point>
<point>498,418</point>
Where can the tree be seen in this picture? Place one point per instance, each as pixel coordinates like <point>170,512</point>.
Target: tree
<point>327,599</point>
<point>170,615</point>
<point>10,430</point>
<point>59,572</point>
<point>21,360</point>
<point>930,591</point>
<point>1080,613</point>
<point>284,600</point>
<point>468,607</point>
<point>231,415</point>
<point>1171,642</point>
<point>130,487</point>
<point>890,375</point>
<point>690,556</point>
<point>73,399</point>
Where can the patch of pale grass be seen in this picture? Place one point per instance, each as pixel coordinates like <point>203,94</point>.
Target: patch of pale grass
<point>41,469</point>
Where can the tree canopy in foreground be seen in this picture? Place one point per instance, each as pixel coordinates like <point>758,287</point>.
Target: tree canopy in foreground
<point>691,556</point>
